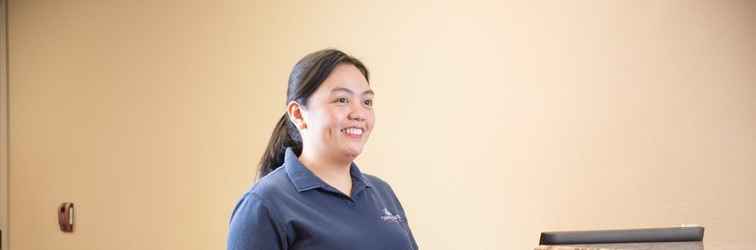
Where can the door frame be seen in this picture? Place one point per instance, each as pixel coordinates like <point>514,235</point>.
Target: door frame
<point>4,141</point>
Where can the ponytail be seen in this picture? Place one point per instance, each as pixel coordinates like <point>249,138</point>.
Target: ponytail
<point>284,135</point>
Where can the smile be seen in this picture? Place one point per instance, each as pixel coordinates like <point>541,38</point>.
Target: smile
<point>353,131</point>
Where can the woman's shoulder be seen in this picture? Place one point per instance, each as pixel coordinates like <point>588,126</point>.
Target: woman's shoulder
<point>384,190</point>
<point>375,180</point>
<point>272,184</point>
<point>378,183</point>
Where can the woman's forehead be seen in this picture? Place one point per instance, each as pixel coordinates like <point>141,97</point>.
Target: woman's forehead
<point>345,78</point>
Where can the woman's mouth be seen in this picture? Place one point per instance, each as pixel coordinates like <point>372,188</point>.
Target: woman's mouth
<point>353,132</point>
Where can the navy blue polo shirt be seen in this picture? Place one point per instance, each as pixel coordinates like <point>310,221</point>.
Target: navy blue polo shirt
<point>291,208</point>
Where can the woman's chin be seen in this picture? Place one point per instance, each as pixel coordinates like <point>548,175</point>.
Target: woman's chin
<point>353,151</point>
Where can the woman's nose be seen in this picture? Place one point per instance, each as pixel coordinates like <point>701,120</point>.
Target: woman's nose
<point>357,113</point>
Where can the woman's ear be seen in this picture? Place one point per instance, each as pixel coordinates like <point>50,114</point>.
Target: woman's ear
<point>295,111</point>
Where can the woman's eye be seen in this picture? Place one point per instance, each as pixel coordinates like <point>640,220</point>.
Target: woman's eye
<point>369,103</point>
<point>342,100</point>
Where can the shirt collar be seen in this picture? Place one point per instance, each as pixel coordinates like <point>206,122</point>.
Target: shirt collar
<point>304,179</point>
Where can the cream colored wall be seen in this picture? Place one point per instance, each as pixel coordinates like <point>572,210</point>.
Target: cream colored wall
<point>496,120</point>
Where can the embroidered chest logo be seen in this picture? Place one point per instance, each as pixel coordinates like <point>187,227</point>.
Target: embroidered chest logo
<point>390,218</point>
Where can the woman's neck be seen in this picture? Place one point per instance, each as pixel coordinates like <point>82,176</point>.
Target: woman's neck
<point>334,172</point>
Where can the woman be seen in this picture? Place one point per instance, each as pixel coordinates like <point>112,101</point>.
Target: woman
<point>310,194</point>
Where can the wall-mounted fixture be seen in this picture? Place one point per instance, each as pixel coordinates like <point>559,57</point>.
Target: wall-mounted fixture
<point>65,217</point>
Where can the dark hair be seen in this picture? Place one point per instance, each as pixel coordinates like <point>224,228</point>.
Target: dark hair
<point>306,76</point>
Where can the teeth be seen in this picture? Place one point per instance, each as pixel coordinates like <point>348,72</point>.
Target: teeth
<point>353,131</point>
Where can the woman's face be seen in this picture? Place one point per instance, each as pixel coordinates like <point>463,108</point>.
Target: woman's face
<point>339,114</point>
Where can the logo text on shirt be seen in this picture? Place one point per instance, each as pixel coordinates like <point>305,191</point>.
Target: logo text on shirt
<point>390,218</point>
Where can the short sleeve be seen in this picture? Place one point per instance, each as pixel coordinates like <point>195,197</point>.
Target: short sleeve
<point>253,226</point>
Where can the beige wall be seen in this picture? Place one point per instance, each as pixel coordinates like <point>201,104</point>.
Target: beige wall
<point>496,120</point>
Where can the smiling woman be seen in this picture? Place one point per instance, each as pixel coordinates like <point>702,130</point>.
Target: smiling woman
<point>311,194</point>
